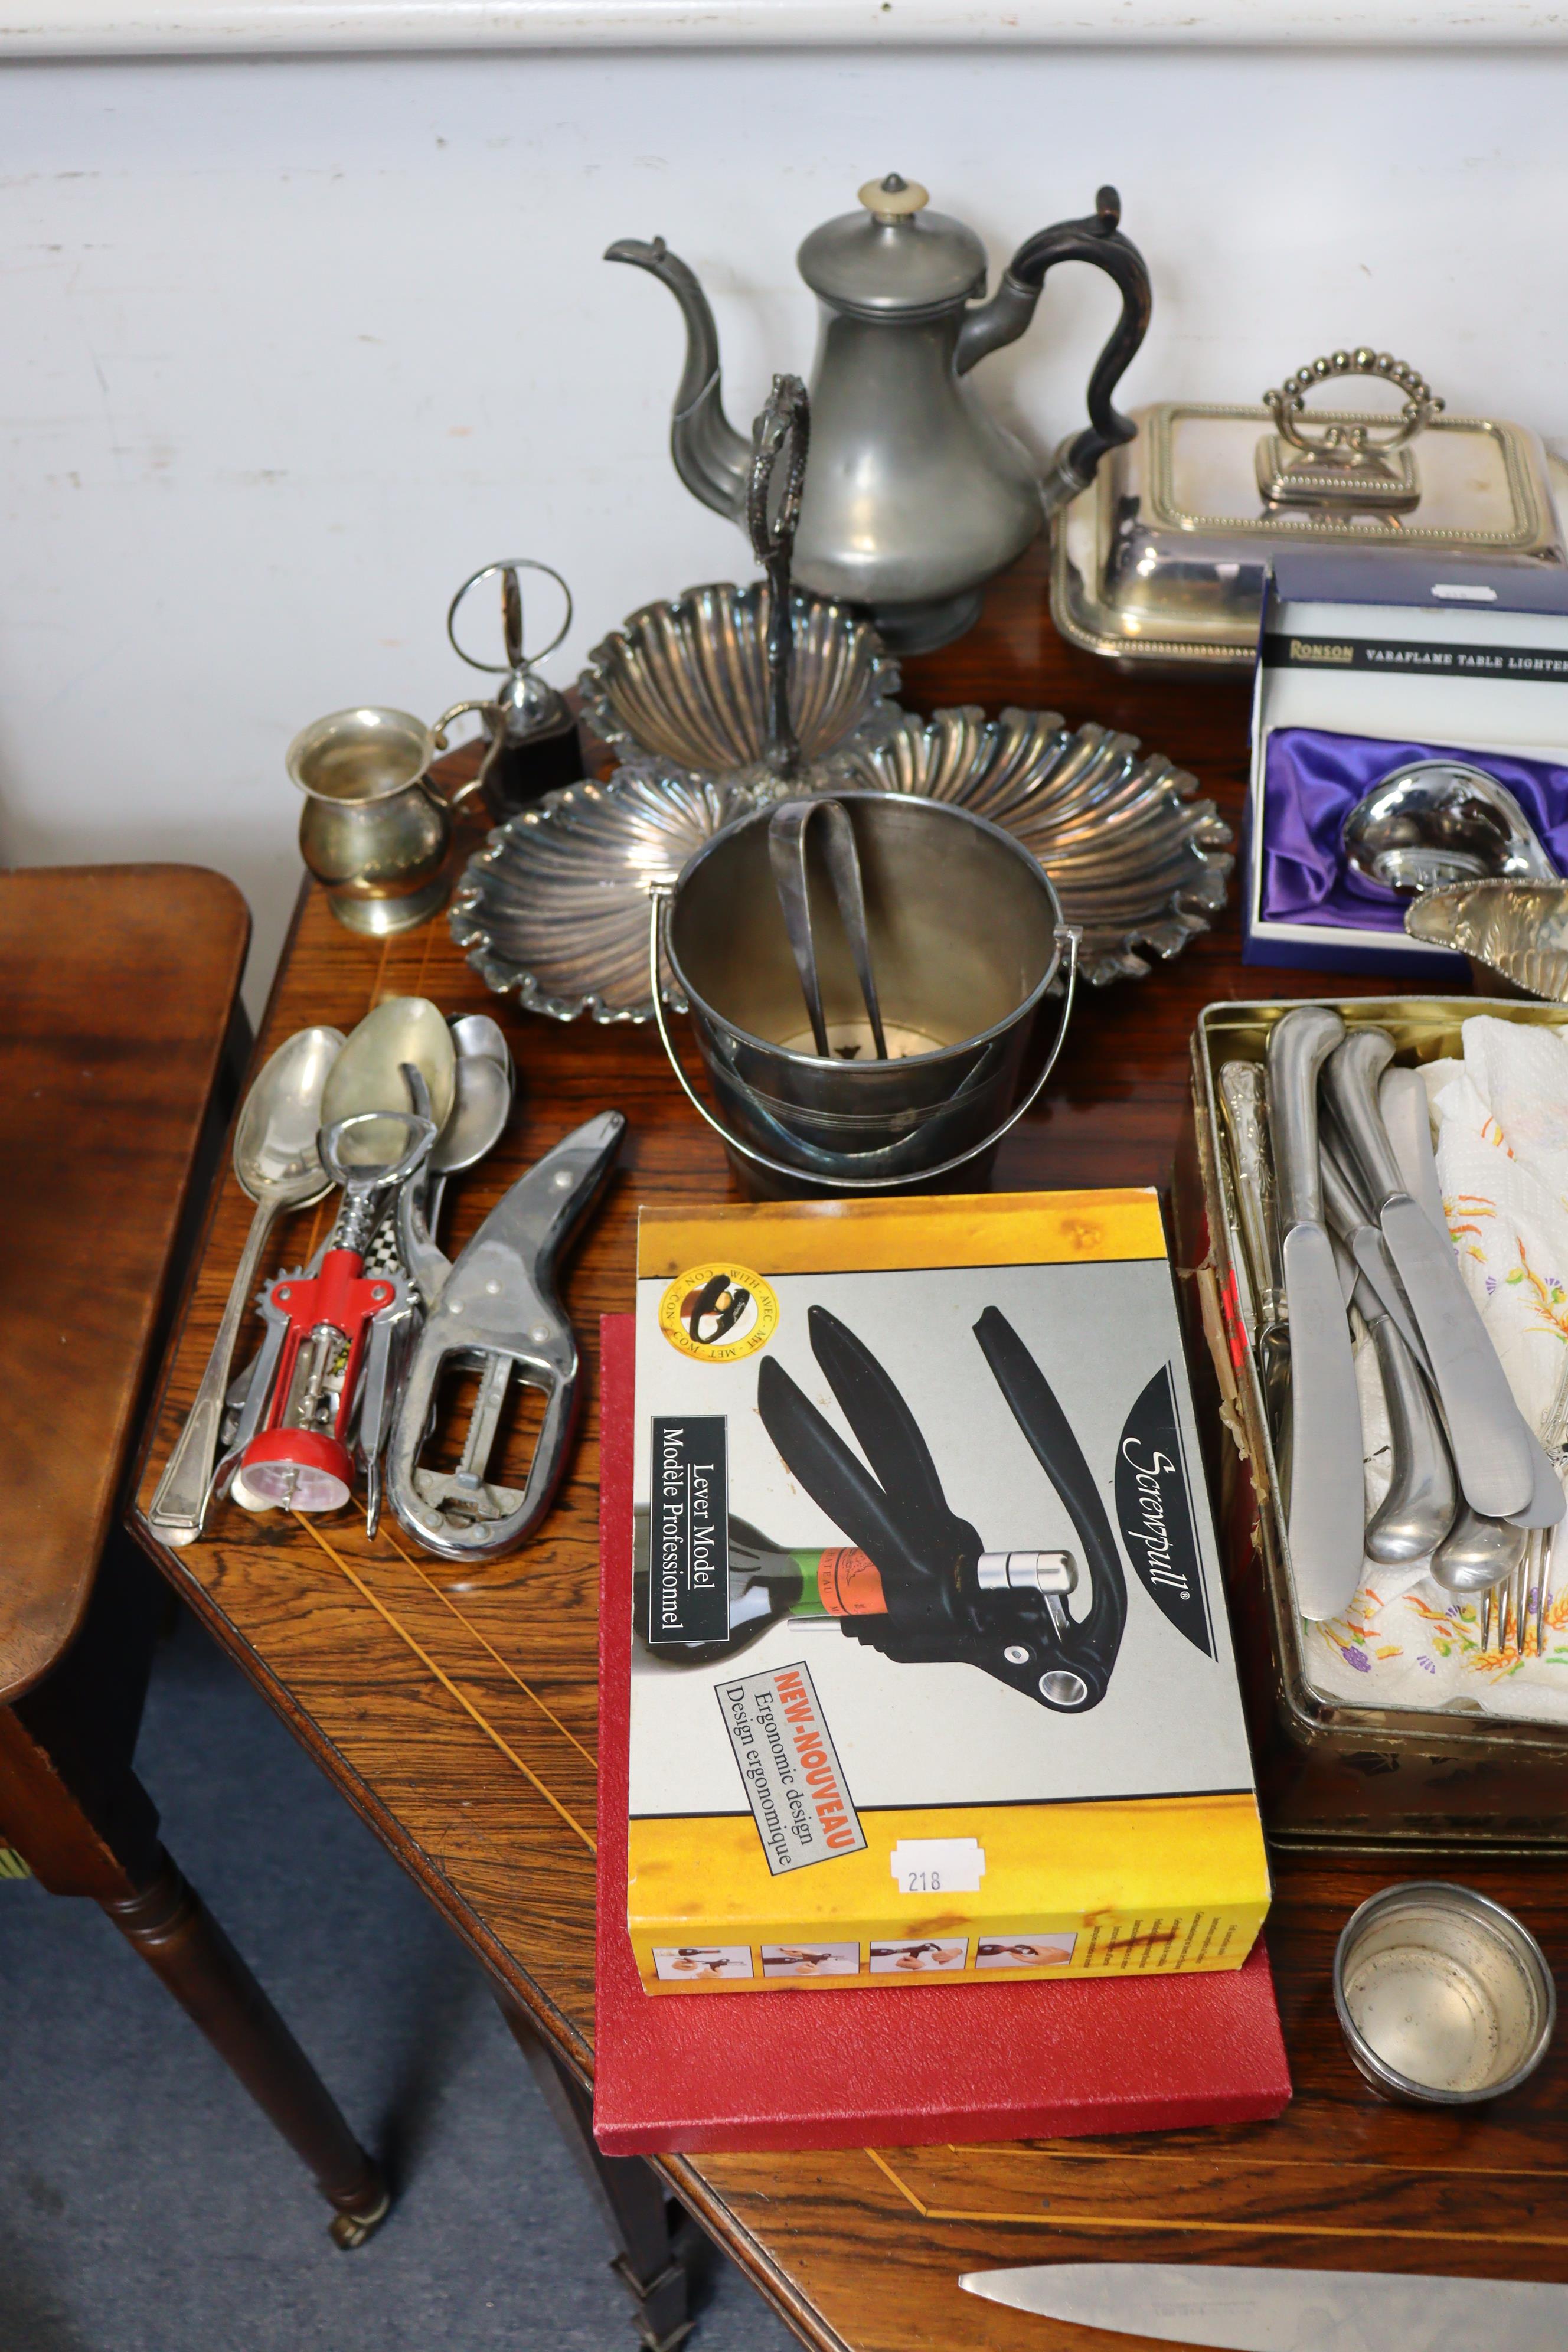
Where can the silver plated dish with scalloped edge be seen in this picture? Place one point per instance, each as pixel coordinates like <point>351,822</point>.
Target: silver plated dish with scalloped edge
<point>1514,933</point>
<point>1138,861</point>
<point>554,908</point>
<point>685,683</point>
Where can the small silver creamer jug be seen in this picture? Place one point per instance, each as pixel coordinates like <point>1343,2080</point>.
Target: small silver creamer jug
<point>376,831</point>
<point>915,496</point>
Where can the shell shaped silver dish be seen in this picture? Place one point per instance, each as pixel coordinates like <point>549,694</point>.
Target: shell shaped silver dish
<point>554,908</point>
<point>685,683</point>
<point>1512,931</point>
<point>1139,861</point>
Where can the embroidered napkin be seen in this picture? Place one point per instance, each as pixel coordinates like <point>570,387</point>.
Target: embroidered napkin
<point>1500,1120</point>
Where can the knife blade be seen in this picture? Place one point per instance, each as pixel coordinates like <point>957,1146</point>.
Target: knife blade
<point>1348,1220</point>
<point>1402,1098</point>
<point>1487,1432</point>
<point>1238,2310</point>
<point>1491,1445</point>
<point>1327,1494</point>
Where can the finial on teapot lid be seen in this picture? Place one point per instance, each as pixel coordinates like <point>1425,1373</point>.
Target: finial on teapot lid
<point>894,198</point>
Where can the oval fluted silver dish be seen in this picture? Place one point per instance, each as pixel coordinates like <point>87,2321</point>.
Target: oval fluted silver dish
<point>1513,932</point>
<point>685,683</point>
<point>1138,862</point>
<point>554,908</point>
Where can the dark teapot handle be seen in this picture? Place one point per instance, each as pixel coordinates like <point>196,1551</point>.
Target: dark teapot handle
<point>1098,240</point>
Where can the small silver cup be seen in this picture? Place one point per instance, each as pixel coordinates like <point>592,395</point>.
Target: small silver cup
<point>1444,1998</point>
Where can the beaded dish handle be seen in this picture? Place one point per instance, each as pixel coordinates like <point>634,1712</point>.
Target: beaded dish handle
<point>1348,442</point>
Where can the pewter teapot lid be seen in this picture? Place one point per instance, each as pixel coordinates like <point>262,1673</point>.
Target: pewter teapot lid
<point>893,258</point>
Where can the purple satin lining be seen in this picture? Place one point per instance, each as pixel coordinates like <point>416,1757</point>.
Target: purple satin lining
<point>1312,780</point>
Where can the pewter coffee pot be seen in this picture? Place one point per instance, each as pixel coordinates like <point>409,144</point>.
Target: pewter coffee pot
<point>915,497</point>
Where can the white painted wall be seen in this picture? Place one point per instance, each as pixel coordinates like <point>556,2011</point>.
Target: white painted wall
<point>289,346</point>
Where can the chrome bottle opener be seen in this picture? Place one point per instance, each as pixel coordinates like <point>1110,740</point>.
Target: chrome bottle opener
<point>497,1312</point>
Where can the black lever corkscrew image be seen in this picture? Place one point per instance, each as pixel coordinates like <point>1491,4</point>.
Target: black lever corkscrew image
<point>945,1599</point>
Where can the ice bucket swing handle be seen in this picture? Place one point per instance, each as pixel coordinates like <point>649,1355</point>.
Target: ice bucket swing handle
<point>660,898</point>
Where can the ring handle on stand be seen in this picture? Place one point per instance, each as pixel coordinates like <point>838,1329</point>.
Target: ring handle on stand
<point>508,566</point>
<point>660,895</point>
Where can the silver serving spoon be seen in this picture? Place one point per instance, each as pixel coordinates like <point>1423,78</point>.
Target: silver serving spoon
<point>278,1166</point>
<point>367,1076</point>
<point>481,1094</point>
<point>481,1105</point>
<point>479,1113</point>
<point>476,1034</point>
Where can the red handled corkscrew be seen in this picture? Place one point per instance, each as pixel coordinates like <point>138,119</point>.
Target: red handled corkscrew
<point>321,1329</point>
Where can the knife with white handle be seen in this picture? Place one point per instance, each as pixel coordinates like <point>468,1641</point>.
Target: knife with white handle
<point>1324,1517</point>
<point>1238,2310</point>
<point>1487,1433</point>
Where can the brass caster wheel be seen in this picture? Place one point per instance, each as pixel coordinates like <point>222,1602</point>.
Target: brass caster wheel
<point>350,2229</point>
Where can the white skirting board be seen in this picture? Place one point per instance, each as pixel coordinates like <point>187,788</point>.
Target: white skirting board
<point>61,29</point>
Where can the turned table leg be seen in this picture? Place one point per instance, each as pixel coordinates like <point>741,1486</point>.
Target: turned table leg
<point>655,2238</point>
<point>167,1922</point>
<point>81,1821</point>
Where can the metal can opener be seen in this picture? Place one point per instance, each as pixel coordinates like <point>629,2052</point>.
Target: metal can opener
<point>496,1312</point>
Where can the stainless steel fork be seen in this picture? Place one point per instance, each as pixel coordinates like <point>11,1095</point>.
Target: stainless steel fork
<point>1510,1609</point>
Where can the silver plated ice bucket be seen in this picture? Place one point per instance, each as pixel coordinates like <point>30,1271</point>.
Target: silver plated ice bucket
<point>966,940</point>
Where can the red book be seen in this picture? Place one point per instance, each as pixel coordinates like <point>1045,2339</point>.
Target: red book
<point>902,2064</point>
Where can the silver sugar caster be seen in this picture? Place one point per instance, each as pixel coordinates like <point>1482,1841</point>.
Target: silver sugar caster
<point>866,975</point>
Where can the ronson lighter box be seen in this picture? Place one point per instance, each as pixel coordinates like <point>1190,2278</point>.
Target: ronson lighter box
<point>1381,681</point>
<point>932,1675</point>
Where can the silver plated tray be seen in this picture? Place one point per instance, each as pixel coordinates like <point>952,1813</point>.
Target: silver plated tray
<point>685,683</point>
<point>554,908</point>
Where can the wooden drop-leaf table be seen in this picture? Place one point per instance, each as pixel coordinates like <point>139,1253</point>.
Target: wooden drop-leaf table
<point>462,1726</point>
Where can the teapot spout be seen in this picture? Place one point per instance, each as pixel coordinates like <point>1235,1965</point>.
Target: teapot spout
<point>711,458</point>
